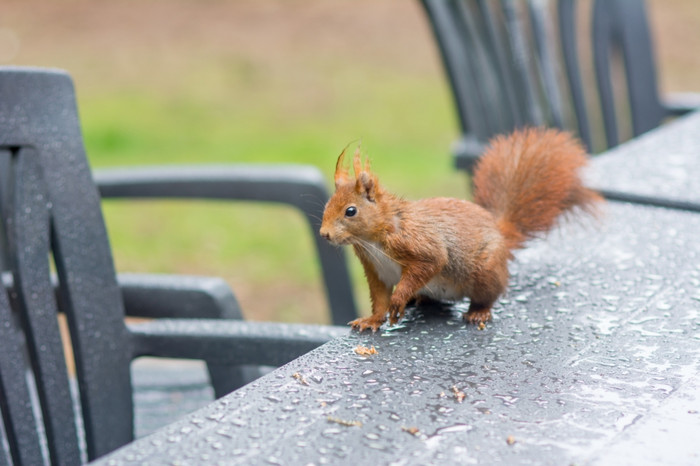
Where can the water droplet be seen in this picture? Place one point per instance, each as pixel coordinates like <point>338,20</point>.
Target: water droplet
<point>238,422</point>
<point>330,432</point>
<point>216,416</point>
<point>376,446</point>
<point>452,429</point>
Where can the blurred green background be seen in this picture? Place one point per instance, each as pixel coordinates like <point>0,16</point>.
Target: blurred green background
<point>264,81</point>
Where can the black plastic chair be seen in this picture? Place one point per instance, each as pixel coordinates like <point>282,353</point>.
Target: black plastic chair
<point>51,220</point>
<point>300,187</point>
<point>513,63</point>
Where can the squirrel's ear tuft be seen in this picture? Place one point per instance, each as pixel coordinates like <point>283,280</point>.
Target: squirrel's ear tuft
<point>367,186</point>
<point>357,162</point>
<point>366,183</point>
<point>341,173</point>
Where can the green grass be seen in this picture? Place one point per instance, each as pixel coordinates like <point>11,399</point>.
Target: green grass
<point>405,124</point>
<point>392,116</point>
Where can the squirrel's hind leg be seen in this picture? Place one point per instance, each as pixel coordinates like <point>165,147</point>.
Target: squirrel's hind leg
<point>478,313</point>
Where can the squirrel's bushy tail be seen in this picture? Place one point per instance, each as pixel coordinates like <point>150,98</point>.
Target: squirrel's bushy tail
<point>529,178</point>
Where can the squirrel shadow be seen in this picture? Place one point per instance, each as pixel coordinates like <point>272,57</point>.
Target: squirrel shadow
<point>426,310</point>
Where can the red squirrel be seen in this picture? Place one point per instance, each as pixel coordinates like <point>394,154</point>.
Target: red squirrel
<point>450,249</point>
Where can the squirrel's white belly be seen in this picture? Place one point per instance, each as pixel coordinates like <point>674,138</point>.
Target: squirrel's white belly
<point>389,271</point>
<point>441,290</point>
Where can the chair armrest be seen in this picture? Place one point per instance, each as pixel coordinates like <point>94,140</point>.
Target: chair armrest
<point>177,296</point>
<point>165,296</point>
<point>680,103</point>
<point>289,184</point>
<point>302,187</point>
<point>229,341</point>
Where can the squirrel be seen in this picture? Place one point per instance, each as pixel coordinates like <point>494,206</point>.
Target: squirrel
<point>449,249</point>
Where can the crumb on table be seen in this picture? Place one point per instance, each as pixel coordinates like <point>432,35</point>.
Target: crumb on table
<point>364,351</point>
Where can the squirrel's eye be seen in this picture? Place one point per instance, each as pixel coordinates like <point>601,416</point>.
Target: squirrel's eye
<point>351,211</point>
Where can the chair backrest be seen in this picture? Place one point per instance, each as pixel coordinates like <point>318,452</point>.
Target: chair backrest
<point>512,63</point>
<point>51,220</point>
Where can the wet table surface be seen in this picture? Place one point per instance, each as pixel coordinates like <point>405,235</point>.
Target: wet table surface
<point>661,166</point>
<point>593,357</point>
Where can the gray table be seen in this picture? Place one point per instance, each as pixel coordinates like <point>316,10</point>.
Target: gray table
<point>593,357</point>
<point>661,167</point>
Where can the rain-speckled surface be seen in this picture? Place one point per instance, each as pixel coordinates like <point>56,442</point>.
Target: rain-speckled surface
<point>592,358</point>
<point>664,163</point>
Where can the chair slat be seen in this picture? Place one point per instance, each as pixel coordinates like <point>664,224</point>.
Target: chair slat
<point>497,41</point>
<point>5,155</point>
<point>29,240</point>
<point>522,59</point>
<point>15,401</point>
<point>490,89</point>
<point>540,23</point>
<point>620,26</point>
<point>604,32</point>
<point>457,63</point>
<point>569,44</point>
<point>642,86</point>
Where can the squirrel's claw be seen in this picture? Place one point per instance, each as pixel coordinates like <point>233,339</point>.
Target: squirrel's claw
<point>477,316</point>
<point>364,323</point>
<point>396,313</point>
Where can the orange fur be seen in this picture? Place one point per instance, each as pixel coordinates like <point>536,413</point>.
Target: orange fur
<point>450,249</point>
<point>528,179</point>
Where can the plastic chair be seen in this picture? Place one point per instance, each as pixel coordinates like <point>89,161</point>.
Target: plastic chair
<point>515,63</point>
<point>51,220</point>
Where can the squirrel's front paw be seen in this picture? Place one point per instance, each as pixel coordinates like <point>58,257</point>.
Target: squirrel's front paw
<point>372,322</point>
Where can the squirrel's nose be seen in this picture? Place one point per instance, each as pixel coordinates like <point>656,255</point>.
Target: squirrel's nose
<point>325,234</point>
